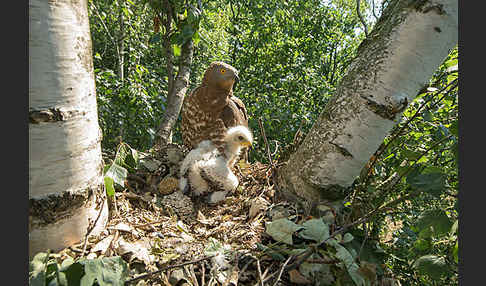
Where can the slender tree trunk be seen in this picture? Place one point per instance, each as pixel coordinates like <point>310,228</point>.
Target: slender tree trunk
<point>65,166</point>
<point>400,55</point>
<point>121,43</point>
<point>175,97</point>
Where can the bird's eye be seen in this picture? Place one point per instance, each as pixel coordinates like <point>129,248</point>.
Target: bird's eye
<point>222,70</point>
<point>240,138</point>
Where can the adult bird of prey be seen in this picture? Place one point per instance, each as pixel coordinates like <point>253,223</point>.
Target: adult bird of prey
<point>206,171</point>
<point>210,109</point>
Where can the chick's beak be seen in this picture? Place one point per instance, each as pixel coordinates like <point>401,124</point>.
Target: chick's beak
<point>246,144</point>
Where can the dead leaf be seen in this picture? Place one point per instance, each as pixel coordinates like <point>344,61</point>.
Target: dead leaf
<point>202,219</point>
<point>103,244</point>
<point>258,204</point>
<point>139,250</point>
<point>122,227</point>
<point>297,278</point>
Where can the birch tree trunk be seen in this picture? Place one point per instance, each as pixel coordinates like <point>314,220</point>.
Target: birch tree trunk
<point>409,42</point>
<point>65,167</point>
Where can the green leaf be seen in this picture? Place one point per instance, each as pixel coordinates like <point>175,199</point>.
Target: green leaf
<point>432,183</point>
<point>347,238</point>
<point>275,254</point>
<point>427,115</point>
<point>454,227</point>
<point>281,230</point>
<point>455,252</point>
<point>106,271</point>
<point>187,33</point>
<point>122,152</point>
<point>412,155</point>
<point>433,266</point>
<point>454,128</point>
<point>433,222</point>
<point>37,269</point>
<point>73,271</point>
<point>117,173</point>
<point>177,50</point>
<point>155,38</point>
<point>421,245</point>
<point>110,188</point>
<point>345,256</point>
<point>315,229</point>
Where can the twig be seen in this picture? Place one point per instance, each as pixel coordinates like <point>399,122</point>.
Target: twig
<point>420,157</point>
<point>167,268</point>
<point>322,261</point>
<point>361,18</point>
<point>276,148</point>
<point>114,204</point>
<point>149,223</point>
<point>245,267</point>
<point>364,240</point>
<point>203,274</point>
<point>308,252</point>
<point>281,270</point>
<point>266,271</point>
<point>262,130</point>
<point>259,272</point>
<point>92,225</point>
<point>106,29</point>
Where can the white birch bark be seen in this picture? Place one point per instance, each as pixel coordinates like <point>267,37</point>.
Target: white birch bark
<point>408,43</point>
<point>64,135</point>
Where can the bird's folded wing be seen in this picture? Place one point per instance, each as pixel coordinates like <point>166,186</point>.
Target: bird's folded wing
<point>240,105</point>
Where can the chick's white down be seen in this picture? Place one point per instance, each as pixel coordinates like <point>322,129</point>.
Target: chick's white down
<point>205,170</point>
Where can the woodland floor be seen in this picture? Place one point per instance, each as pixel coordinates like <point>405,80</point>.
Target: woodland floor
<point>157,228</point>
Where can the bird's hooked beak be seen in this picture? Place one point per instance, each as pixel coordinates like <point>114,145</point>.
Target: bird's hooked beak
<point>246,144</point>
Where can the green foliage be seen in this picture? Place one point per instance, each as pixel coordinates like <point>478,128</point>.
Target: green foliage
<point>432,265</point>
<point>315,229</point>
<point>281,230</point>
<point>48,269</point>
<point>421,157</point>
<point>313,235</point>
<point>126,159</point>
<point>291,56</point>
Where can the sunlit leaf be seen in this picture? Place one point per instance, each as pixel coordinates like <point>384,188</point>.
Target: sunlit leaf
<point>431,265</point>
<point>117,173</point>
<point>282,229</point>
<point>177,50</point>
<point>433,222</point>
<point>432,183</point>
<point>315,229</point>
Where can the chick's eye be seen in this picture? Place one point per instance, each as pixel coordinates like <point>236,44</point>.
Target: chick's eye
<point>240,138</point>
<point>222,70</point>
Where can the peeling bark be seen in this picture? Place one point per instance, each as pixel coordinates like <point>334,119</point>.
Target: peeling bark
<point>395,61</point>
<point>65,166</point>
